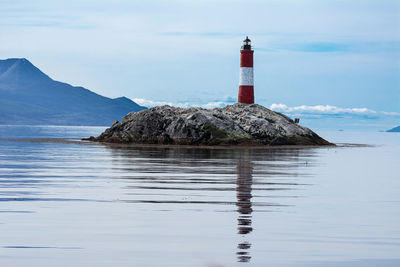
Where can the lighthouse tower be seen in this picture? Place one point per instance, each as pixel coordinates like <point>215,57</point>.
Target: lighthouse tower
<point>246,81</point>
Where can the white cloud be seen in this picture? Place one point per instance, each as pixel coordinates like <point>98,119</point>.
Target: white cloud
<point>219,104</point>
<point>317,111</point>
<point>150,103</point>
<point>391,113</point>
<point>321,109</point>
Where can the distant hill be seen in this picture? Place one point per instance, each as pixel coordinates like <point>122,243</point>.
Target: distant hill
<point>28,96</point>
<point>395,130</point>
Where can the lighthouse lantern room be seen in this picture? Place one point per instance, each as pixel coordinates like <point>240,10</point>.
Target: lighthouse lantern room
<point>246,81</point>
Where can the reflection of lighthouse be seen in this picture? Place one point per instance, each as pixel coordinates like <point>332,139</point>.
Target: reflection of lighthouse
<point>246,83</point>
<point>243,194</point>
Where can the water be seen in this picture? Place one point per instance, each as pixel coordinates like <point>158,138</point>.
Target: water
<point>95,205</point>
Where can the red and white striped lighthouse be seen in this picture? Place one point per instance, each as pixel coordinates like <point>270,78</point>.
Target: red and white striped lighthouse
<point>246,81</point>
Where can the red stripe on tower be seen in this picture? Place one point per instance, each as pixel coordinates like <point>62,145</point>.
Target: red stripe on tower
<point>246,79</point>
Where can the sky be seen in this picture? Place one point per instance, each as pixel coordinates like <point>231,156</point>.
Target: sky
<point>335,59</point>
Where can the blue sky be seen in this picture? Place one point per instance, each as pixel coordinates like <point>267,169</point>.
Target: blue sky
<point>309,54</point>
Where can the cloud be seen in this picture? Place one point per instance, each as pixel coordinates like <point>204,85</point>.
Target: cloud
<point>219,104</point>
<point>202,34</point>
<point>308,110</point>
<point>331,47</point>
<point>312,111</point>
<point>390,113</point>
<point>322,47</point>
<point>329,110</point>
<point>212,104</point>
<point>150,103</point>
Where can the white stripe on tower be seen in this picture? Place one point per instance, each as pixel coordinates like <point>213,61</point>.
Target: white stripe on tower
<point>246,76</point>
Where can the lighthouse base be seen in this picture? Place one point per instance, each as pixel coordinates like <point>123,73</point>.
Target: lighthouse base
<point>246,94</point>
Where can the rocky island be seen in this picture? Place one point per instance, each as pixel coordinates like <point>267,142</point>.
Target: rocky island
<point>237,124</point>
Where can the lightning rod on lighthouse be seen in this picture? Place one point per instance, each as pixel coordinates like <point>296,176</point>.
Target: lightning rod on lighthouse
<point>246,78</point>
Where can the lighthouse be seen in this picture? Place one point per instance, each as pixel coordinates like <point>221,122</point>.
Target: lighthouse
<point>246,81</point>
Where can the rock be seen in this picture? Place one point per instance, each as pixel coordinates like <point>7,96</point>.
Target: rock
<point>234,124</point>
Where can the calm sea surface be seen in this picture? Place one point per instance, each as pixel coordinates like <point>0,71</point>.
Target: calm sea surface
<point>95,205</point>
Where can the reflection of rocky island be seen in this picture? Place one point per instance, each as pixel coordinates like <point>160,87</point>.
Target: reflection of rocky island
<point>243,193</point>
<point>234,124</point>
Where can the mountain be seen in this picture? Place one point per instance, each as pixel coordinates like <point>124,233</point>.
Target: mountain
<point>29,96</point>
<point>395,130</point>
